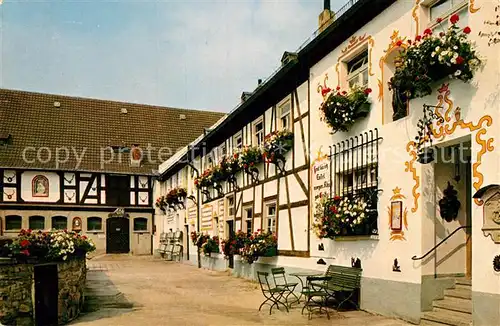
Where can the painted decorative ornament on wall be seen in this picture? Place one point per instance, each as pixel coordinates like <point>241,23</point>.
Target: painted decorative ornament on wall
<point>77,224</point>
<point>398,215</point>
<point>40,186</point>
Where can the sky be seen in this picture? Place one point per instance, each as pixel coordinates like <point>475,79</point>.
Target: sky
<point>188,54</point>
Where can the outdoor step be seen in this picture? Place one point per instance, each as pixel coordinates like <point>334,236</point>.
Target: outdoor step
<point>464,287</point>
<point>448,318</point>
<point>454,304</point>
<point>463,281</point>
<point>424,322</point>
<point>458,293</point>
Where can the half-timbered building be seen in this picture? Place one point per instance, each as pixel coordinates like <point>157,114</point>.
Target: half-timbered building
<point>416,164</point>
<point>87,164</point>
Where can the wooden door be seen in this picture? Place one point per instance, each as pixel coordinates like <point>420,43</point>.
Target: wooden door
<point>230,227</point>
<point>468,184</point>
<point>117,235</point>
<point>46,295</point>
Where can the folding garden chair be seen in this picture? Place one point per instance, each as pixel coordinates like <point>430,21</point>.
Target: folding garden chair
<point>273,295</point>
<point>315,297</point>
<point>280,280</point>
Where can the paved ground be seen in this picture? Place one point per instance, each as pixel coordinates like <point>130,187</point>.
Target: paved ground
<point>147,291</point>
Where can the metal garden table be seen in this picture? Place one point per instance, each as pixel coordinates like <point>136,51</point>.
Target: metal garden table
<point>304,275</point>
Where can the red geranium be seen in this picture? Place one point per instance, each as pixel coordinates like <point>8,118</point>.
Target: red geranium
<point>460,60</point>
<point>454,19</point>
<point>467,30</point>
<point>25,243</point>
<point>439,20</point>
<point>25,252</point>
<point>325,91</point>
<point>428,31</point>
<point>368,91</point>
<point>418,38</point>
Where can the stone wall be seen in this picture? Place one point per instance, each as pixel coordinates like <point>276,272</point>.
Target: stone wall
<point>17,297</point>
<point>72,277</point>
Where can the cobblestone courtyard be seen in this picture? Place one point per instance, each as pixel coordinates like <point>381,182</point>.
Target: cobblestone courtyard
<point>148,291</point>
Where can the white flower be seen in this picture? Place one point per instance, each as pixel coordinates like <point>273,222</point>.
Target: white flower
<point>457,73</point>
<point>433,54</point>
<point>437,48</point>
<point>455,47</point>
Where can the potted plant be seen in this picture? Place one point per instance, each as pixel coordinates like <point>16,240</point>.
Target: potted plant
<point>341,216</point>
<point>204,181</point>
<point>342,109</point>
<point>230,165</point>
<point>249,158</point>
<point>161,203</point>
<point>276,145</point>
<point>211,245</point>
<point>449,205</point>
<point>429,58</point>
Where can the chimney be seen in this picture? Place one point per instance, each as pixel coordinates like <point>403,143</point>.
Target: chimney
<point>326,17</point>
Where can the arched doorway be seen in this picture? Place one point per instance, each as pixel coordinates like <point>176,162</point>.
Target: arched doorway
<point>117,235</point>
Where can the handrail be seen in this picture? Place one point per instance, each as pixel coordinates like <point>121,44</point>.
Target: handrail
<point>435,247</point>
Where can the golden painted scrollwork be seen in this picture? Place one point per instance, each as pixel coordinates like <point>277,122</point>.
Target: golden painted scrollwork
<point>410,167</point>
<point>397,198</point>
<point>440,130</point>
<point>415,16</point>
<point>472,9</point>
<point>355,42</point>
<point>323,89</point>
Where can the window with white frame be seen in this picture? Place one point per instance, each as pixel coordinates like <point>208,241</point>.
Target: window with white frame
<point>443,9</point>
<point>237,141</point>
<point>248,215</point>
<point>258,131</point>
<point>270,217</point>
<point>284,115</point>
<point>357,70</point>
<point>230,206</point>
<point>222,150</point>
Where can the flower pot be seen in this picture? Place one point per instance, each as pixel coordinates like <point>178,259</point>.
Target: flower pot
<point>426,156</point>
<point>363,110</point>
<point>270,252</point>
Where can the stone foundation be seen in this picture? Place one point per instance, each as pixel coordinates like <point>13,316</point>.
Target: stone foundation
<point>17,291</point>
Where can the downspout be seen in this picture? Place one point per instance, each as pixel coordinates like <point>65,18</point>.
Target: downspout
<point>198,198</point>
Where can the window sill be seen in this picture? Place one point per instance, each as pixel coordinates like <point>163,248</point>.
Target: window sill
<point>94,231</point>
<point>145,231</point>
<point>357,237</point>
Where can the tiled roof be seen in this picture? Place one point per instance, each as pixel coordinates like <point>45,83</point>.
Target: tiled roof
<point>87,127</point>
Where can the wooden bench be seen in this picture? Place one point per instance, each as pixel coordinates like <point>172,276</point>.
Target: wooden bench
<point>340,282</point>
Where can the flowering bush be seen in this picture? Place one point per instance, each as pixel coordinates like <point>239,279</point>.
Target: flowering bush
<point>60,245</point>
<point>260,243</point>
<point>276,145</point>
<point>339,216</point>
<point>341,108</point>
<point>431,57</point>
<point>249,158</point>
<point>210,245</point>
<point>204,180</point>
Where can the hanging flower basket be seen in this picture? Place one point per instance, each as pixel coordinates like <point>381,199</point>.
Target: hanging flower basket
<point>431,57</point>
<point>276,145</point>
<point>449,205</point>
<point>204,180</point>
<point>176,197</point>
<point>259,244</point>
<point>161,203</point>
<point>342,109</point>
<point>249,158</point>
<point>230,165</point>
